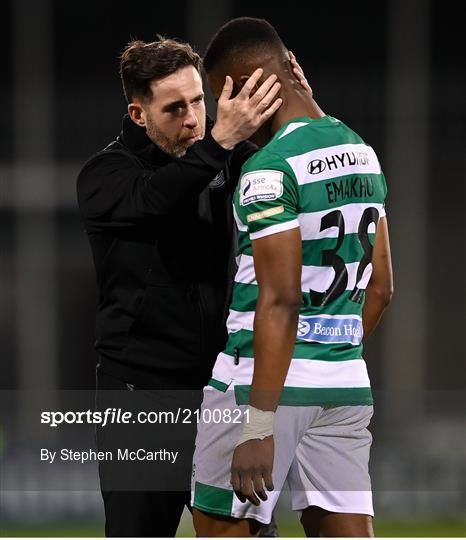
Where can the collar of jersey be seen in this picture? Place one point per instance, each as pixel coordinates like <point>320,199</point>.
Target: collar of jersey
<point>306,119</point>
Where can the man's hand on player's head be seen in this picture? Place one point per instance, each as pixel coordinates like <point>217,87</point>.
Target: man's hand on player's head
<point>251,470</point>
<point>299,73</point>
<point>239,117</point>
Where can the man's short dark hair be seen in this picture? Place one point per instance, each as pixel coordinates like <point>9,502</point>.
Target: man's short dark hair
<point>238,39</point>
<point>142,62</point>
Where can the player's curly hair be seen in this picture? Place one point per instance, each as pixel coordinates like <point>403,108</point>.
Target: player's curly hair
<point>142,62</point>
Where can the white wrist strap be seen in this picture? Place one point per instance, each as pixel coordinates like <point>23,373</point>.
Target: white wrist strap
<point>257,425</point>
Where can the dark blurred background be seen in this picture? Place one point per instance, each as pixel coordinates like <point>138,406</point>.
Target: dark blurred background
<point>392,70</point>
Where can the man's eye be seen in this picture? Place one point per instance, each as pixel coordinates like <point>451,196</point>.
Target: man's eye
<point>176,110</point>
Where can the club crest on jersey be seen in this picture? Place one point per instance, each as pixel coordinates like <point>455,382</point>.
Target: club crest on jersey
<point>260,186</point>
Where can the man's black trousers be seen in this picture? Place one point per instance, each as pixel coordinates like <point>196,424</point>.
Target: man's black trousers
<point>144,498</point>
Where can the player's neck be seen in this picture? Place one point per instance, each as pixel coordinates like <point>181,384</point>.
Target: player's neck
<point>295,105</point>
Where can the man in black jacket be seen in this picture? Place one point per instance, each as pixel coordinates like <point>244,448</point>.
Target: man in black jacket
<point>156,208</point>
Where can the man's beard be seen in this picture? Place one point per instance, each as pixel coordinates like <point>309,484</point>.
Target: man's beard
<point>174,148</point>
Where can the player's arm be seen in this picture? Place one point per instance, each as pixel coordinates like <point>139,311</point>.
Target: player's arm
<point>277,262</point>
<point>380,287</point>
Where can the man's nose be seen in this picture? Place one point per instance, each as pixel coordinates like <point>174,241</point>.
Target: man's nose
<point>191,121</point>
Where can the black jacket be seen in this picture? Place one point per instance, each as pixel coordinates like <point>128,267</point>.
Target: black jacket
<point>161,231</point>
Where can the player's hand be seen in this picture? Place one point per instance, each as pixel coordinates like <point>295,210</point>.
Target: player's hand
<point>239,117</point>
<point>299,73</point>
<point>251,470</point>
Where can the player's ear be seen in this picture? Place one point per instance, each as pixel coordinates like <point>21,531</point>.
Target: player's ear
<point>136,114</point>
<point>237,85</point>
<point>242,82</point>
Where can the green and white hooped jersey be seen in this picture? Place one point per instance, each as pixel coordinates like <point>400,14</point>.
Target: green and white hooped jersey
<point>320,176</point>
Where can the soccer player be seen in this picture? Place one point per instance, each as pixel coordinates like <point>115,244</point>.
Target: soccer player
<point>314,277</point>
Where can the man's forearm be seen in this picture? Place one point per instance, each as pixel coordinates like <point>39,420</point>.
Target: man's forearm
<point>112,189</point>
<point>275,327</point>
<point>376,301</point>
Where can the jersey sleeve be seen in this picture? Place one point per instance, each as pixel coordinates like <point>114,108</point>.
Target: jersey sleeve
<point>266,199</point>
<point>383,212</point>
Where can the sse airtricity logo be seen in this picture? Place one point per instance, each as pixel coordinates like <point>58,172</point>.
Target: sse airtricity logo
<point>246,188</point>
<point>263,185</point>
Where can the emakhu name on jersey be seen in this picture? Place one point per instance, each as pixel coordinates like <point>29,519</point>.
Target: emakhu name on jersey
<point>320,176</point>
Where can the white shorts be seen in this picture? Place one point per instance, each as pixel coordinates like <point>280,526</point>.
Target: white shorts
<point>321,456</point>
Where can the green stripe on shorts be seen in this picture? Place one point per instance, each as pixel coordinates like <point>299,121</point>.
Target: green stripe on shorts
<point>213,499</point>
<point>219,385</point>
<point>295,396</point>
